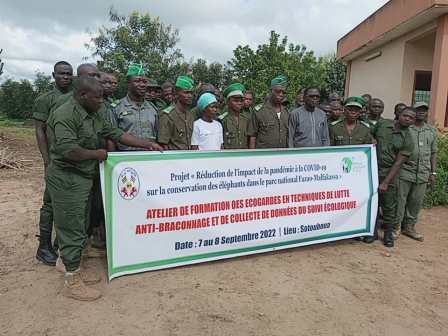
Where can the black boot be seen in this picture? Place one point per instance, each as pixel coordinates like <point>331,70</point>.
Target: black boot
<point>388,239</point>
<point>45,252</point>
<point>371,239</point>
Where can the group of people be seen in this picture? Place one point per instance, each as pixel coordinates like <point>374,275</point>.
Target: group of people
<point>80,121</point>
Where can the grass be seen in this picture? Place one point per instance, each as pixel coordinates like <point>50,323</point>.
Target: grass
<point>19,129</point>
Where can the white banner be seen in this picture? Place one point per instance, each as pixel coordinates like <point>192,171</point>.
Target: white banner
<point>176,208</point>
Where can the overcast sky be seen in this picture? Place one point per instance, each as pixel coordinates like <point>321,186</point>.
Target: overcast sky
<point>36,34</point>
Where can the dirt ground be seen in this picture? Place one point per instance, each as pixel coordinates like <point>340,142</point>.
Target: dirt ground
<point>342,288</point>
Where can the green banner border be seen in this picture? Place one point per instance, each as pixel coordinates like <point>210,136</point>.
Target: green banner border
<point>116,158</point>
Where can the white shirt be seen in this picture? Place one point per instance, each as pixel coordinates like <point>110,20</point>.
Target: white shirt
<point>207,135</point>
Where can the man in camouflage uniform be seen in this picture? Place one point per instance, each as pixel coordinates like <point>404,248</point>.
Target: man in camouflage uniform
<point>268,127</point>
<point>63,75</point>
<point>234,122</point>
<point>350,130</point>
<point>394,147</point>
<point>176,121</point>
<point>416,173</point>
<point>134,114</point>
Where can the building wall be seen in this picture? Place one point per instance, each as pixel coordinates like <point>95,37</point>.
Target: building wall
<point>393,14</point>
<point>418,56</point>
<point>391,76</point>
<point>380,77</point>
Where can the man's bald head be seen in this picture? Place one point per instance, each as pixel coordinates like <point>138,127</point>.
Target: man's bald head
<point>88,69</point>
<point>89,93</point>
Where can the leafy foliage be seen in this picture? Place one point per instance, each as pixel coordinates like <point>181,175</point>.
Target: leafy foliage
<point>17,98</point>
<point>42,83</point>
<point>255,68</point>
<point>438,194</point>
<point>139,38</point>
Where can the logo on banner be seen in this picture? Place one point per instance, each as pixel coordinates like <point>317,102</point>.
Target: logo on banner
<point>347,164</point>
<point>128,184</point>
<point>352,165</point>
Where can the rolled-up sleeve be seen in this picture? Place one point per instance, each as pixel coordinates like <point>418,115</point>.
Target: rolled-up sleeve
<point>111,131</point>
<point>252,127</point>
<point>65,135</point>
<point>41,109</point>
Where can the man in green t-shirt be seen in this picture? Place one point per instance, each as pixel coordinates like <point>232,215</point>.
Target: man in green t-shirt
<point>63,76</point>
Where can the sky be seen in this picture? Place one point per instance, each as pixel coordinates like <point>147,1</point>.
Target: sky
<point>36,34</point>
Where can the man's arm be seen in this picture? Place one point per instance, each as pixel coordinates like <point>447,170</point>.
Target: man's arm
<point>130,140</point>
<point>252,131</point>
<point>292,124</point>
<point>392,172</point>
<point>331,134</point>
<point>433,159</point>
<point>41,137</point>
<point>432,177</point>
<point>164,132</point>
<point>111,146</point>
<point>325,135</point>
<point>252,142</point>
<point>82,154</point>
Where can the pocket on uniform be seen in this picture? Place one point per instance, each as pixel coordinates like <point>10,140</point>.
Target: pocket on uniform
<point>267,126</point>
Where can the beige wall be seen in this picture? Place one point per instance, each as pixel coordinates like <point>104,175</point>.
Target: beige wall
<point>391,76</point>
<point>418,56</point>
<point>381,77</point>
<point>389,17</point>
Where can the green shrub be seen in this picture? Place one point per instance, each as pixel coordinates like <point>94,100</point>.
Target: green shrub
<point>17,98</point>
<point>438,194</point>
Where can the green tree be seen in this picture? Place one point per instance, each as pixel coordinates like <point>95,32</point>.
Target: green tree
<point>139,38</point>
<point>17,98</point>
<point>256,68</point>
<point>42,83</point>
<point>334,74</point>
<point>214,73</point>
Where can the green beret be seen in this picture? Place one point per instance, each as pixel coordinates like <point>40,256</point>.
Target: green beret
<point>153,83</point>
<point>135,70</point>
<point>355,101</point>
<point>185,83</point>
<point>279,81</point>
<point>235,89</point>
